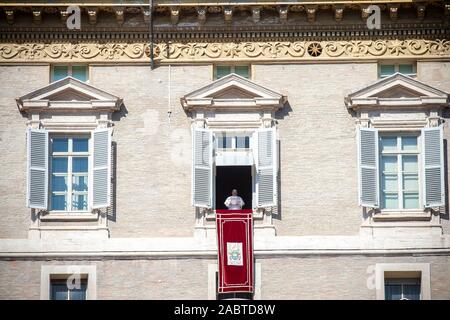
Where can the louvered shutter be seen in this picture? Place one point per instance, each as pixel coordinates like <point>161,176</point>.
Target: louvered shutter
<point>433,167</point>
<point>266,167</point>
<point>202,168</point>
<point>101,173</point>
<point>368,168</point>
<point>37,163</point>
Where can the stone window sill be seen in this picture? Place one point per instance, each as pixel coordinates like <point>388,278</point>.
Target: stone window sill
<point>70,216</point>
<point>402,215</point>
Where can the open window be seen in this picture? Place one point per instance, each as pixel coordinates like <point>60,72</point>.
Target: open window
<point>241,160</point>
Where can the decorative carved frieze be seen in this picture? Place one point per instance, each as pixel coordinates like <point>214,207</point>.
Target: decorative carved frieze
<point>226,51</point>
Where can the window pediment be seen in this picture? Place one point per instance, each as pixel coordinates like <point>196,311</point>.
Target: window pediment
<point>233,91</point>
<point>68,94</point>
<point>397,90</point>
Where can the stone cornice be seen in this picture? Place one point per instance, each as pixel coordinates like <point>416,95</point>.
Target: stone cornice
<point>202,9</point>
<point>198,52</point>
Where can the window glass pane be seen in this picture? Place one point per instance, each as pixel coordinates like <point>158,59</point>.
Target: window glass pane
<point>79,202</point>
<point>59,202</point>
<point>411,291</point>
<point>59,164</point>
<point>80,145</point>
<point>390,201</point>
<point>388,143</point>
<point>224,141</point>
<point>387,70</point>
<point>410,164</point>
<point>411,201</point>
<point>393,291</point>
<point>59,183</point>
<point>60,145</point>
<point>222,71</point>
<point>80,183</point>
<point>389,164</point>
<point>59,291</point>
<point>390,183</point>
<point>406,69</point>
<point>79,164</point>
<point>60,72</point>
<point>409,143</point>
<point>243,71</point>
<point>79,72</point>
<point>242,142</point>
<point>410,182</point>
<point>78,293</point>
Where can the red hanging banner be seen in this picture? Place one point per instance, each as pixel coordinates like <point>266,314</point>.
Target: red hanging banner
<point>235,244</point>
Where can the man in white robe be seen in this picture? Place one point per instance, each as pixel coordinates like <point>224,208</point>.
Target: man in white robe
<point>234,202</point>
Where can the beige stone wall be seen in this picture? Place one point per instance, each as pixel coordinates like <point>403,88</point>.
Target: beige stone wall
<point>317,134</point>
<point>438,74</point>
<point>318,146</point>
<point>16,80</point>
<point>310,277</point>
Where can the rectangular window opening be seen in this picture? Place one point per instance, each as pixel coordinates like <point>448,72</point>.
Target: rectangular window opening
<point>233,177</point>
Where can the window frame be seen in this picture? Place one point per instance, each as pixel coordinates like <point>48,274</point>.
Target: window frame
<point>381,269</point>
<point>57,280</point>
<point>400,153</point>
<point>232,69</point>
<point>53,272</point>
<point>397,68</point>
<point>70,154</point>
<point>69,70</point>
<point>402,282</point>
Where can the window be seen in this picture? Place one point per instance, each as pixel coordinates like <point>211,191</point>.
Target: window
<point>402,289</point>
<point>233,141</point>
<point>69,173</point>
<point>399,164</point>
<point>222,71</point>
<point>408,69</point>
<point>63,289</point>
<point>79,72</point>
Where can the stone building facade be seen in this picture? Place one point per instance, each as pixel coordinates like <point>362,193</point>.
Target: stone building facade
<point>120,139</point>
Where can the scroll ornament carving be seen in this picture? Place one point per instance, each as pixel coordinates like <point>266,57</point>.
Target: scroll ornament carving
<point>174,52</point>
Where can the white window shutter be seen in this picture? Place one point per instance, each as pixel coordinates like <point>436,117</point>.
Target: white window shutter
<point>37,163</point>
<point>101,171</point>
<point>368,168</point>
<point>433,167</point>
<point>202,168</point>
<point>266,168</point>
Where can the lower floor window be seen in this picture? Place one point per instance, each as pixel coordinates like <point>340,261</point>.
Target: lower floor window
<point>402,289</point>
<point>64,289</point>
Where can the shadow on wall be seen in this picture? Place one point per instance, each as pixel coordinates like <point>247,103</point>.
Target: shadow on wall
<point>446,211</point>
<point>111,211</point>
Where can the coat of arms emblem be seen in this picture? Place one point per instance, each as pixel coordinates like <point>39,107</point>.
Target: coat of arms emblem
<point>234,254</point>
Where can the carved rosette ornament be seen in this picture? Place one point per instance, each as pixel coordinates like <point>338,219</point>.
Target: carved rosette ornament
<point>224,51</point>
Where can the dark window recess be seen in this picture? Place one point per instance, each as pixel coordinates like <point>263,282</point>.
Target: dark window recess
<point>233,177</point>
